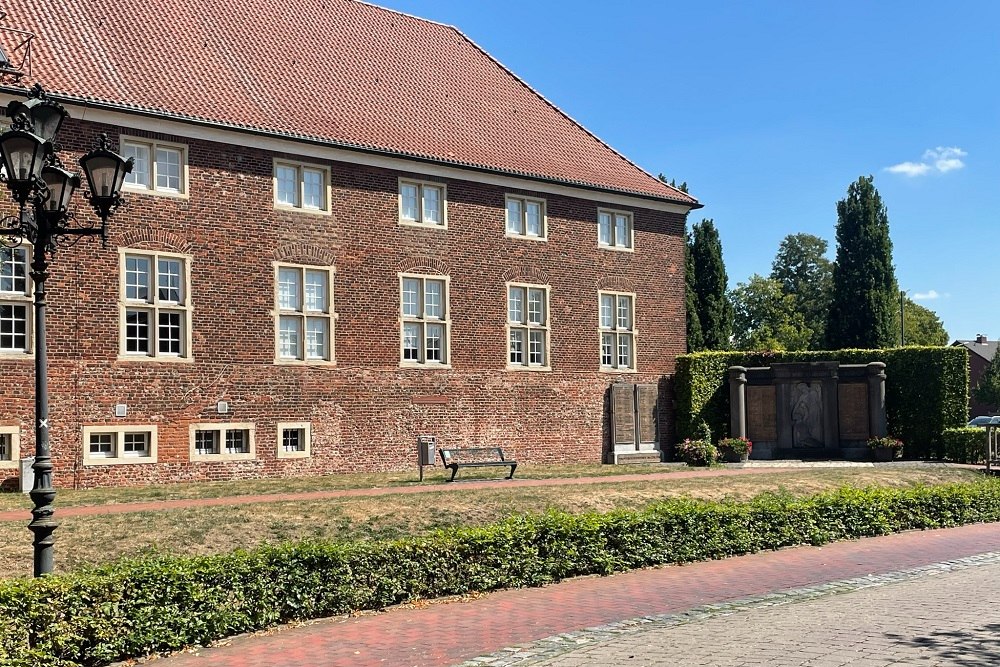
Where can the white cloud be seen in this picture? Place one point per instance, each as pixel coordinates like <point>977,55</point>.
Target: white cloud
<point>929,295</point>
<point>941,159</point>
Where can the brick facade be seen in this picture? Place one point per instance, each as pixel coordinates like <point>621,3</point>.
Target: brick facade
<point>365,411</point>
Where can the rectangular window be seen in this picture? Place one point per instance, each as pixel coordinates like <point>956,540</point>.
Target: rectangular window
<point>294,440</point>
<point>222,442</point>
<point>305,317</point>
<point>158,166</point>
<point>109,445</point>
<point>10,443</point>
<point>526,217</point>
<point>528,326</point>
<point>15,301</point>
<point>425,320</point>
<point>422,203</point>
<point>301,186</point>
<point>614,229</point>
<point>155,304</point>
<point>617,330</point>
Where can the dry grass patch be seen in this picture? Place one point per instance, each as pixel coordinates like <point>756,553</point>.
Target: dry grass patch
<point>207,530</point>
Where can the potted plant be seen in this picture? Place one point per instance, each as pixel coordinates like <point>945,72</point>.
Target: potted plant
<point>697,452</point>
<point>886,448</point>
<point>735,450</point>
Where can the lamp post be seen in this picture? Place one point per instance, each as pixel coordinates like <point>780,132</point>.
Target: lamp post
<point>43,190</point>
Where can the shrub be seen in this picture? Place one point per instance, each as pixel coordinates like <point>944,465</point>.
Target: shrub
<point>697,452</point>
<point>965,445</point>
<point>887,442</point>
<point>735,446</point>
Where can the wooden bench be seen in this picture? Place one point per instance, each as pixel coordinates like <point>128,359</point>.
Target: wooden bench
<point>475,457</point>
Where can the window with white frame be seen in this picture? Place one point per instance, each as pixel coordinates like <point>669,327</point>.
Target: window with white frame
<point>222,442</point>
<point>614,229</point>
<point>157,166</point>
<point>10,443</point>
<point>107,445</point>
<point>156,305</point>
<point>525,217</point>
<point>422,203</point>
<point>15,301</point>
<point>305,317</point>
<point>294,440</point>
<point>301,186</point>
<point>425,320</point>
<point>617,328</point>
<point>527,326</point>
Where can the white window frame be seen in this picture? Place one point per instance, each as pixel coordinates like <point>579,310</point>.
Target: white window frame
<point>423,321</point>
<point>528,328</point>
<point>614,244</point>
<point>220,428</point>
<point>616,331</point>
<point>25,299</point>
<point>14,433</point>
<point>151,187</point>
<point>300,168</point>
<point>306,433</point>
<point>155,306</point>
<point>329,315</point>
<point>523,222</point>
<point>118,454</point>
<point>421,186</point>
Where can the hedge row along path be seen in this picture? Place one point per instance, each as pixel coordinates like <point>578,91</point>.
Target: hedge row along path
<point>160,505</point>
<point>450,633</point>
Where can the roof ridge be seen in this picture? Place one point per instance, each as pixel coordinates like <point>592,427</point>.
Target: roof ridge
<point>400,13</point>
<point>683,195</point>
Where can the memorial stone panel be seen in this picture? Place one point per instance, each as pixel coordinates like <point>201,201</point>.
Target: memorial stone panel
<point>646,399</point>
<point>623,414</point>
<point>761,414</point>
<point>853,400</point>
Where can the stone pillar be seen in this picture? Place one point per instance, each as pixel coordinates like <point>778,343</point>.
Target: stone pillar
<point>876,399</point>
<point>737,402</point>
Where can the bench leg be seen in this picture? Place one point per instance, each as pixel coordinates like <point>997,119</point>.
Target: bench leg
<point>513,467</point>
<point>454,470</point>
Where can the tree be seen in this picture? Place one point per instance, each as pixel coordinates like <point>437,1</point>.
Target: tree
<point>988,390</point>
<point>710,284</point>
<point>765,317</point>
<point>804,272</point>
<point>695,341</point>
<point>922,325</point>
<point>864,280</point>
<point>683,187</point>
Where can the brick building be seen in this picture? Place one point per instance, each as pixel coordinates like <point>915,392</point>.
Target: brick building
<point>346,227</point>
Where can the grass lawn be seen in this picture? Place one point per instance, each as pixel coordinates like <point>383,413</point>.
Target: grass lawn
<point>206,530</point>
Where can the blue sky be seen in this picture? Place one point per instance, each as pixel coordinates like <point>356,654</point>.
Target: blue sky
<point>769,110</point>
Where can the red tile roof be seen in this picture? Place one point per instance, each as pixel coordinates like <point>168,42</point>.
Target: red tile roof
<point>337,71</point>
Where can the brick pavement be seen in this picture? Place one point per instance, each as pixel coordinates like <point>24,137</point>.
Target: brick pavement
<point>450,633</point>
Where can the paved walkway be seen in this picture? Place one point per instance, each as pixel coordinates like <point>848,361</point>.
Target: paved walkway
<point>451,633</point>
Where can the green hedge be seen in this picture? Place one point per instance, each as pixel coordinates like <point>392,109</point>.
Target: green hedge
<point>965,445</point>
<point>927,389</point>
<point>134,607</point>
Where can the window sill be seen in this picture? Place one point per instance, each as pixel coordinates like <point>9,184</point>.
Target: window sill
<point>13,356</point>
<point>424,366</point>
<point>117,461</point>
<point>319,363</point>
<point>9,465</point>
<point>141,358</point>
<point>525,237</point>
<point>422,225</point>
<point>614,248</point>
<point>293,455</point>
<point>222,458</point>
<point>132,190</point>
<point>300,209</point>
<point>617,371</point>
<point>530,369</point>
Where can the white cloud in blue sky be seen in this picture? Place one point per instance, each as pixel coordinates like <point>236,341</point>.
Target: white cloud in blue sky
<point>929,295</point>
<point>941,159</point>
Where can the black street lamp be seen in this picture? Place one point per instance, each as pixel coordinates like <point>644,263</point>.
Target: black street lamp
<point>43,190</point>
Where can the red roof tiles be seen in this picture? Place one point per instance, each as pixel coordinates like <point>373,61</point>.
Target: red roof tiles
<point>337,71</point>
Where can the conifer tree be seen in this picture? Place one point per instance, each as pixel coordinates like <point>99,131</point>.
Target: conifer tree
<point>695,341</point>
<point>710,287</point>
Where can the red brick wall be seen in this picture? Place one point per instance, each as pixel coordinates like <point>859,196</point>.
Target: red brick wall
<point>362,411</point>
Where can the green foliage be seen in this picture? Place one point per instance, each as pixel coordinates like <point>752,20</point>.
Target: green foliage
<point>710,285</point>
<point>766,318</point>
<point>988,389</point>
<point>864,280</point>
<point>886,442</point>
<point>695,340</point>
<point>965,445</point>
<point>921,326</point>
<point>697,452</point>
<point>805,274</point>
<point>734,446</point>
<point>140,606</point>
<point>927,389</point>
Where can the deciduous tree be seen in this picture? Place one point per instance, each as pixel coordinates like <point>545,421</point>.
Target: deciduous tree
<point>766,317</point>
<point>804,272</point>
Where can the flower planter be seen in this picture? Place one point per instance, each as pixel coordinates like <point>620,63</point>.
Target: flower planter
<point>733,457</point>
<point>883,454</point>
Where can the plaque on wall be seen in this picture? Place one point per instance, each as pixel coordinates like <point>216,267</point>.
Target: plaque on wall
<point>761,412</point>
<point>645,399</point>
<point>623,414</point>
<point>853,411</point>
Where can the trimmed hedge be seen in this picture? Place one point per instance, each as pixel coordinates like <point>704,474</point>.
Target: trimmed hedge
<point>965,445</point>
<point>134,607</point>
<point>926,389</point>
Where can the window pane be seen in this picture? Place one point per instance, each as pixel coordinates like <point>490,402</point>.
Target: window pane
<point>316,291</point>
<point>624,351</point>
<point>622,236</point>
<point>536,348</point>
<point>312,188</point>
<point>13,328</point>
<point>533,218</point>
<point>137,331</point>
<point>536,306</point>
<point>432,205</point>
<point>517,346</point>
<point>140,168</point>
<point>514,222</point>
<point>135,444</point>
<point>137,278</point>
<point>288,289</point>
<point>289,337</point>
<point>168,169</point>
<point>432,304</point>
<point>435,343</point>
<point>168,279</point>
<point>102,445</point>
<point>237,441</point>
<point>408,203</point>
<point>169,333</point>
<point>515,305</point>
<point>293,440</point>
<point>411,342</point>
<point>607,311</point>
<point>287,185</point>
<point>624,312</point>
<point>317,337</point>
<point>14,270</point>
<point>411,290</point>
<point>607,349</point>
<point>6,448</point>
<point>604,229</point>
<point>206,442</point>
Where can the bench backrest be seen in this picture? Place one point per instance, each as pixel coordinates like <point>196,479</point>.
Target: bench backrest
<point>471,455</point>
